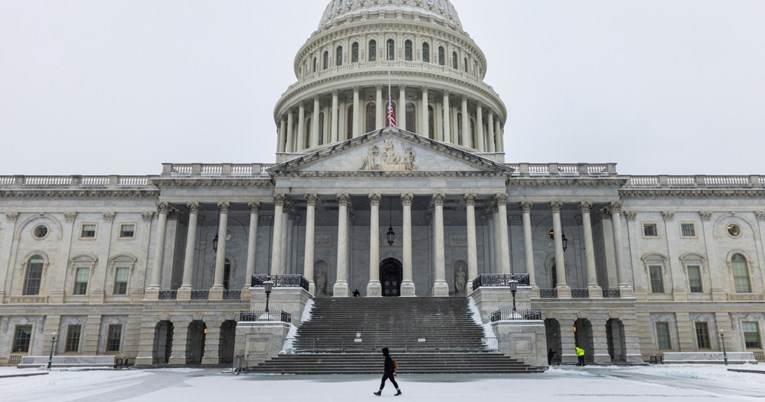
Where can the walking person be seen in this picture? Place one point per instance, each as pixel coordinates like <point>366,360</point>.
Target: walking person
<point>389,373</point>
<point>580,356</point>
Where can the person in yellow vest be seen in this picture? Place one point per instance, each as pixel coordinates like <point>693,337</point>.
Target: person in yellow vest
<point>580,356</point>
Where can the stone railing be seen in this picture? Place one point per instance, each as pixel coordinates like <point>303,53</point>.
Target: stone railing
<point>75,181</point>
<point>697,181</point>
<point>211,170</point>
<point>499,280</point>
<point>563,169</point>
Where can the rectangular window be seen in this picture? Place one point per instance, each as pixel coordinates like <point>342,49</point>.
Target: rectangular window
<point>114,338</point>
<point>72,343</point>
<point>662,335</point>
<point>127,231</point>
<point>650,230</point>
<point>741,277</point>
<point>33,278</point>
<point>88,231</point>
<point>121,281</point>
<point>657,279</point>
<point>702,335</point>
<point>751,335</point>
<point>687,230</point>
<point>21,339</point>
<point>81,281</point>
<point>694,278</point>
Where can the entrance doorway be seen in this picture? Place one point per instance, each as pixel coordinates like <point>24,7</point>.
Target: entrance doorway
<point>391,274</point>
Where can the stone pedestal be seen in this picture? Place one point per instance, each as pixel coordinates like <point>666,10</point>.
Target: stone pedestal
<point>522,339</point>
<point>259,341</point>
<point>288,299</point>
<point>491,299</point>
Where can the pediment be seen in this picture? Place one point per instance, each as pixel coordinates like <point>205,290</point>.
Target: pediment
<point>390,150</point>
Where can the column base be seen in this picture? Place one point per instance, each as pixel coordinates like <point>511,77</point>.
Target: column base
<point>215,293</point>
<point>144,361</point>
<point>176,361</point>
<point>183,294</point>
<point>626,291</point>
<point>534,292</point>
<point>246,295</point>
<point>596,292</point>
<point>374,289</point>
<point>311,288</point>
<point>407,289</point>
<point>440,288</point>
<point>151,294</point>
<point>340,289</point>
<point>210,360</point>
<point>564,292</point>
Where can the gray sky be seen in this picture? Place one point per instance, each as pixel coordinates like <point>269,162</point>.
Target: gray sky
<point>120,86</point>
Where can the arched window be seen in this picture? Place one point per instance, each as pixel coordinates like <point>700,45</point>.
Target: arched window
<point>314,65</point>
<point>741,274</point>
<point>227,274</point>
<point>339,56</point>
<point>464,64</point>
<point>411,117</point>
<point>355,52</point>
<point>325,61</point>
<point>455,65</point>
<point>441,56</point>
<point>408,50</point>
<point>391,50</point>
<point>371,117</point>
<point>349,123</point>
<point>425,52</point>
<point>33,276</point>
<point>372,56</point>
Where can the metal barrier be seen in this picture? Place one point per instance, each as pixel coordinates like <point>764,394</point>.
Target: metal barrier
<point>265,316</point>
<point>505,315</point>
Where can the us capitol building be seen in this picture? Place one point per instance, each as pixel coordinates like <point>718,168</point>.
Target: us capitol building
<point>157,269</point>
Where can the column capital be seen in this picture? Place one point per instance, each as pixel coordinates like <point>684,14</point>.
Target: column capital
<point>224,206</point>
<point>438,199</point>
<point>556,206</point>
<point>760,215</point>
<point>12,216</point>
<point>70,216</point>
<point>109,216</point>
<point>585,206</point>
<point>630,215</point>
<point>616,207</point>
<point>406,199</point>
<point>500,199</point>
<point>668,215</point>
<point>311,199</point>
<point>374,199</point>
<point>254,206</point>
<point>280,199</point>
<point>343,199</point>
<point>193,206</point>
<point>147,216</point>
<point>526,206</point>
<point>469,199</point>
<point>163,207</point>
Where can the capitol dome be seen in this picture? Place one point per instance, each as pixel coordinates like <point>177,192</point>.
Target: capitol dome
<point>411,52</point>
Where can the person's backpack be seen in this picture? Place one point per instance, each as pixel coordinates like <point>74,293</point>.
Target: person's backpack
<point>395,364</point>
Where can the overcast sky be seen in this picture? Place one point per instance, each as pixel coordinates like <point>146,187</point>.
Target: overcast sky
<point>99,87</point>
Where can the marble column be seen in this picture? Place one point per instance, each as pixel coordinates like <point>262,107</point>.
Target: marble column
<point>447,119</point>
<point>401,116</point>
<point>500,146</point>
<point>252,238</point>
<point>621,267</point>
<point>407,284</point>
<point>492,147</point>
<point>280,146</point>
<point>504,240</point>
<point>479,128</point>
<point>314,140</point>
<point>156,273</point>
<point>564,292</point>
<point>379,108</point>
<point>356,112</point>
<point>528,245</point>
<point>466,139</point>
<point>335,123</point>
<point>290,133</point>
<point>374,288</point>
<point>472,247</point>
<point>494,225</point>
<point>424,114</point>
<point>276,242</point>
<point>220,255</point>
<point>191,239</point>
<point>286,233</point>
<point>440,287</point>
<point>589,252</point>
<point>340,289</point>
<point>301,128</point>
<point>310,227</point>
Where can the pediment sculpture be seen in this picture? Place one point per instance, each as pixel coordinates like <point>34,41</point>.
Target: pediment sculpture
<point>389,159</point>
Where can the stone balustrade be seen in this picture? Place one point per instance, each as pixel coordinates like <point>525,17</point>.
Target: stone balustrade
<point>75,181</point>
<point>695,181</point>
<point>220,169</point>
<point>563,169</point>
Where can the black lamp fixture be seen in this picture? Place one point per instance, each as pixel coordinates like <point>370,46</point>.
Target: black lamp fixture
<point>215,243</point>
<point>268,285</point>
<point>564,240</point>
<point>391,235</point>
<point>513,288</point>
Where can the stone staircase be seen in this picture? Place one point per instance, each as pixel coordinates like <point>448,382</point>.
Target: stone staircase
<point>424,335</point>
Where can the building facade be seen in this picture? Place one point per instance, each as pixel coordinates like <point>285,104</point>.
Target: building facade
<point>158,268</point>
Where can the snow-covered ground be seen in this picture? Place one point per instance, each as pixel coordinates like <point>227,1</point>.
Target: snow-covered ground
<point>570,384</point>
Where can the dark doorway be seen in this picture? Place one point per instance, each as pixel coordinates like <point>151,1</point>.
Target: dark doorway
<point>583,338</point>
<point>552,333</point>
<point>163,342</point>
<point>195,342</point>
<point>227,341</point>
<point>391,273</point>
<point>617,345</point>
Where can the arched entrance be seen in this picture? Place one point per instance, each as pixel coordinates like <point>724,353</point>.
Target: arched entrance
<point>617,346</point>
<point>163,342</point>
<point>583,338</point>
<point>195,342</point>
<point>227,342</point>
<point>391,274</point>
<point>552,333</point>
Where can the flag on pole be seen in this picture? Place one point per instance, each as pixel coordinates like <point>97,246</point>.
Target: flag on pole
<point>391,114</point>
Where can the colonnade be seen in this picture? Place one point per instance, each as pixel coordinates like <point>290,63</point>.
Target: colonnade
<point>439,115</point>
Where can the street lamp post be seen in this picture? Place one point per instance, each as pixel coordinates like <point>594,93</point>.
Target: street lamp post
<point>513,288</point>
<point>722,339</point>
<point>52,347</point>
<point>268,284</point>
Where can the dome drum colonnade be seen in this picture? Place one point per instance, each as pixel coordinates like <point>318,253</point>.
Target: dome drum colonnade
<point>344,69</point>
